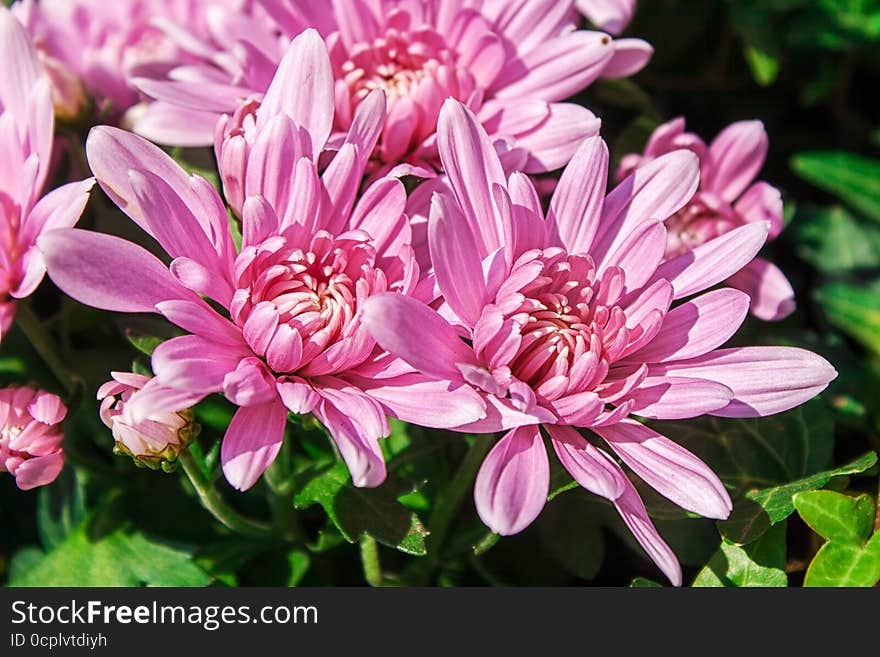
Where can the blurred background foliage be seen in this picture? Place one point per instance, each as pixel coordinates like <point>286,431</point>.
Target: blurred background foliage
<point>805,482</point>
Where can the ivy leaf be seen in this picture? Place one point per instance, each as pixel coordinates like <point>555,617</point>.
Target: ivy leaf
<point>760,508</point>
<point>835,516</point>
<point>854,310</point>
<point>758,564</point>
<point>373,511</point>
<point>850,557</point>
<point>853,178</point>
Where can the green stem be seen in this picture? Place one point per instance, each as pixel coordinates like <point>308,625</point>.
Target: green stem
<point>370,561</point>
<point>215,504</point>
<point>449,502</point>
<point>42,343</point>
<point>280,484</point>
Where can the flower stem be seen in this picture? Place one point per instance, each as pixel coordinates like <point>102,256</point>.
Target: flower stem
<point>279,481</point>
<point>449,502</point>
<point>42,343</point>
<point>370,561</point>
<point>215,504</point>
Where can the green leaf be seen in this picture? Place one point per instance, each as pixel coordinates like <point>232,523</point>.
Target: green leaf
<point>835,516</point>
<point>845,564</point>
<point>579,547</point>
<point>761,563</point>
<point>644,583</point>
<point>759,40</point>
<point>760,508</point>
<point>60,508</point>
<point>114,559</point>
<point>761,452</point>
<point>299,561</point>
<point>834,241</point>
<point>853,178</point>
<point>373,511</point>
<point>854,310</point>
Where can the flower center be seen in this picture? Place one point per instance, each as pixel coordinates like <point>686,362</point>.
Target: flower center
<point>311,292</point>
<point>704,218</point>
<point>558,312</point>
<point>396,63</point>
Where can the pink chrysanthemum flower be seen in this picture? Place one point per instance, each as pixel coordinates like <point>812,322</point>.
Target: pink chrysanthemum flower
<point>26,134</point>
<point>728,198</point>
<point>92,47</point>
<point>152,437</point>
<point>567,321</point>
<point>30,436</point>
<point>289,337</point>
<point>610,15</point>
<point>510,62</point>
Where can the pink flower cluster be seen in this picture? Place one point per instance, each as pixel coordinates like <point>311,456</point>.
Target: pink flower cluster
<point>575,322</point>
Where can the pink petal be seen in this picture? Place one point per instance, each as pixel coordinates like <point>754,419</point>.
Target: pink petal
<point>736,156</point>
<point>41,470</point>
<point>577,203</point>
<point>250,384</point>
<point>124,278</point>
<point>667,467</point>
<point>306,69</point>
<point>60,208</point>
<point>193,363</point>
<point>761,202</point>
<point>457,263</point>
<point>513,482</point>
<point>656,190</point>
<point>587,464</point>
<point>472,165</point>
<point>764,380</point>
<point>632,510</point>
<point>552,143</point>
<point>252,442</point>
<point>414,332</point>
<point>772,297</point>
<point>639,254</point>
<point>676,398</point>
<point>610,15</point>
<point>714,261</point>
<point>696,327</point>
<point>359,448</point>
<point>630,57</point>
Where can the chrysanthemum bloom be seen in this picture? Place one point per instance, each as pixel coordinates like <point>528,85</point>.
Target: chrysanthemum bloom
<point>568,321</point>
<point>510,62</point>
<point>610,15</point>
<point>26,134</point>
<point>152,437</point>
<point>727,199</point>
<point>30,436</point>
<point>289,336</point>
<point>91,48</point>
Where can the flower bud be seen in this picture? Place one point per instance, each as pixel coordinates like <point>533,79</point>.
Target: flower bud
<point>151,435</point>
<point>30,436</point>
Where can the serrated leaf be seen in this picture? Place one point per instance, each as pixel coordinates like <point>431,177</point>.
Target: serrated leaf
<point>374,511</point>
<point>761,507</point>
<point>854,310</point>
<point>835,516</point>
<point>853,178</point>
<point>758,564</point>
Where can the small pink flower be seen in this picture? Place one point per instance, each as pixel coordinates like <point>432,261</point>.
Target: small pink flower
<point>610,15</point>
<point>728,198</point>
<point>31,435</point>
<point>566,320</point>
<point>26,135</point>
<point>151,431</point>
<point>290,336</point>
<point>510,62</point>
<point>93,46</point>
